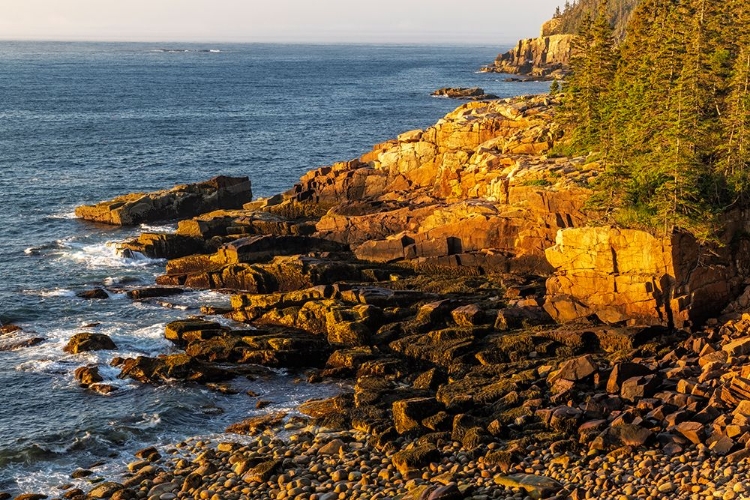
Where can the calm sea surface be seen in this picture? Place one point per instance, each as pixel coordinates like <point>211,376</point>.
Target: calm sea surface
<point>84,122</point>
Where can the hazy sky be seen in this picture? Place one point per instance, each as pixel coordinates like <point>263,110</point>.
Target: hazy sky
<point>355,21</point>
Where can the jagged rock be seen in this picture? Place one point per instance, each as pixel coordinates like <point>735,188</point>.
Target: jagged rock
<point>82,342</point>
<point>470,315</point>
<point>577,368</point>
<point>693,431</point>
<point>262,248</point>
<point>164,246</point>
<point>177,203</point>
<point>622,372</point>
<point>636,388</point>
<point>262,472</point>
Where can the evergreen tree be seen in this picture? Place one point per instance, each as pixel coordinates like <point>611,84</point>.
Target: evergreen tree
<point>674,123</point>
<point>592,70</point>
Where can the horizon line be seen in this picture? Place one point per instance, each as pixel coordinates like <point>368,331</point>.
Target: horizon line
<point>264,42</point>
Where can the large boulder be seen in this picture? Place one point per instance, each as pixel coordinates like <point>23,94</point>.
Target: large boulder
<point>180,202</point>
<point>84,341</point>
<point>631,276</point>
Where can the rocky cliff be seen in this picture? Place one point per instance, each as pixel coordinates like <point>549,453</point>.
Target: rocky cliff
<point>544,57</point>
<point>630,276</point>
<point>428,273</point>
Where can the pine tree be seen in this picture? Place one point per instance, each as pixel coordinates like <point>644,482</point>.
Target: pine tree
<point>592,70</point>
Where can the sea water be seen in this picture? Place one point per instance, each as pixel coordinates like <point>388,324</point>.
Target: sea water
<point>83,122</point>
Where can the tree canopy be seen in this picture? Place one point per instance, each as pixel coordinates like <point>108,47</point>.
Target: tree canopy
<point>573,15</point>
<point>668,109</point>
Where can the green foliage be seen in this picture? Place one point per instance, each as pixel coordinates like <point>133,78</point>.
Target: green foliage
<point>669,109</point>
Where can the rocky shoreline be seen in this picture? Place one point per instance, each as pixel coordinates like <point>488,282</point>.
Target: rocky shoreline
<point>496,345</point>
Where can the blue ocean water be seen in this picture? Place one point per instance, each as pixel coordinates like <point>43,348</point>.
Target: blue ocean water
<point>82,122</point>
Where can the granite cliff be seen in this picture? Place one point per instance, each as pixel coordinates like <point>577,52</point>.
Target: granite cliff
<point>546,57</point>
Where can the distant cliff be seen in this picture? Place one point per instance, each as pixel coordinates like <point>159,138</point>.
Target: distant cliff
<point>547,57</point>
<point>544,57</point>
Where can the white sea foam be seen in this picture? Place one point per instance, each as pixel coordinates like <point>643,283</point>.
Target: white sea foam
<point>57,292</point>
<point>164,228</point>
<point>104,255</point>
<point>63,214</point>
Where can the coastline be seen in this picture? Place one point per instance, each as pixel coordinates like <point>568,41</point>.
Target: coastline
<point>463,385</point>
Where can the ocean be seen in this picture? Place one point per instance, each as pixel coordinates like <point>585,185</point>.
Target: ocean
<point>83,122</point>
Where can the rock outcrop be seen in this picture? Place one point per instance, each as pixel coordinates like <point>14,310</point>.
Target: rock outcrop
<point>474,94</point>
<point>546,57</point>
<point>633,277</point>
<point>180,202</point>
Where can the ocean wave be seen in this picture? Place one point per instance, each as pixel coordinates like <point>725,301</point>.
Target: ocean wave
<point>39,249</point>
<point>106,255</point>
<point>64,214</point>
<point>56,292</point>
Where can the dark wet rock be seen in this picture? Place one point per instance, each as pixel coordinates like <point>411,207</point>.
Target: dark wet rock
<point>83,342</point>
<point>154,291</point>
<point>79,473</point>
<point>164,246</point>
<point>96,293</point>
<point>103,389</point>
<point>14,338</point>
<point>172,367</point>
<point>87,375</point>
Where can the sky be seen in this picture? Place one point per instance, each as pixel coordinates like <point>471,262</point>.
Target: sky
<point>293,21</point>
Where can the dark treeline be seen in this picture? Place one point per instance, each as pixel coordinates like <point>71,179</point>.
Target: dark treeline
<point>572,15</point>
<point>668,110</point>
